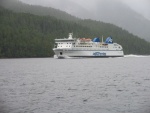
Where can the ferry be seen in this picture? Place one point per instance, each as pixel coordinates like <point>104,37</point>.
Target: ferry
<point>86,47</point>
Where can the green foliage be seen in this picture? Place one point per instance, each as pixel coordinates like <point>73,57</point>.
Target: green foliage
<point>27,35</point>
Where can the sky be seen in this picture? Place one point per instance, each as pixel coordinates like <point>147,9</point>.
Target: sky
<point>140,6</point>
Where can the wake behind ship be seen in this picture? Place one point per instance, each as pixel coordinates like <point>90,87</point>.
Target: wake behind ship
<point>85,47</point>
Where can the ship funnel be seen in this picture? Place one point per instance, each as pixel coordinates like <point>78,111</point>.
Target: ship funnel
<point>70,35</point>
<point>109,40</point>
<point>96,39</point>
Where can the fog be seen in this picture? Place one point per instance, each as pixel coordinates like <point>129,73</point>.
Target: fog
<point>140,6</point>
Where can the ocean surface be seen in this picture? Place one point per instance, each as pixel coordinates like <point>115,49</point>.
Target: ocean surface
<point>82,85</point>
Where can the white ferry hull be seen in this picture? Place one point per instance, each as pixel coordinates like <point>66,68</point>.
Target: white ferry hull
<point>62,53</point>
<point>85,47</point>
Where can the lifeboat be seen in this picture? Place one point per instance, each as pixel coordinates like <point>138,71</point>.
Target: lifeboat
<point>85,39</point>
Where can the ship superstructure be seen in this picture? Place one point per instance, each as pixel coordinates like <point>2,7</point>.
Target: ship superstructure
<point>86,47</point>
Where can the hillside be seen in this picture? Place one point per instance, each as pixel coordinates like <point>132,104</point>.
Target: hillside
<point>123,16</point>
<point>18,6</point>
<point>110,11</point>
<point>28,35</point>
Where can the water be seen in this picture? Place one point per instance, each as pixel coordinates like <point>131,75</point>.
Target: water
<point>88,85</point>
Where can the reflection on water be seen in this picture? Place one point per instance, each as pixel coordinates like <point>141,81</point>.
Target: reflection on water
<point>92,85</point>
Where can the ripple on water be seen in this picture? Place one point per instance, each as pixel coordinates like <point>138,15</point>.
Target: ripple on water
<point>63,86</point>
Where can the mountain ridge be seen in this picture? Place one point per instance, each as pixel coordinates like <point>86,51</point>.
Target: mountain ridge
<point>37,33</point>
<point>114,12</point>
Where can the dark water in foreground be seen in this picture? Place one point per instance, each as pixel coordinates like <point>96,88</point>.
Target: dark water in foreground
<point>94,85</point>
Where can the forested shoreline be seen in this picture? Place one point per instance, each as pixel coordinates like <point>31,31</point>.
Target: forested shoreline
<point>27,35</point>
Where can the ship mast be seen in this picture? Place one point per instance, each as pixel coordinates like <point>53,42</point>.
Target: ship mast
<point>102,39</point>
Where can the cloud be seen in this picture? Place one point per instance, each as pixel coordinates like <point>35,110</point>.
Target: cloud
<point>140,6</point>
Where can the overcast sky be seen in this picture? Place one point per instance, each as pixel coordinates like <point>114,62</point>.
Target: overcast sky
<point>141,6</point>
